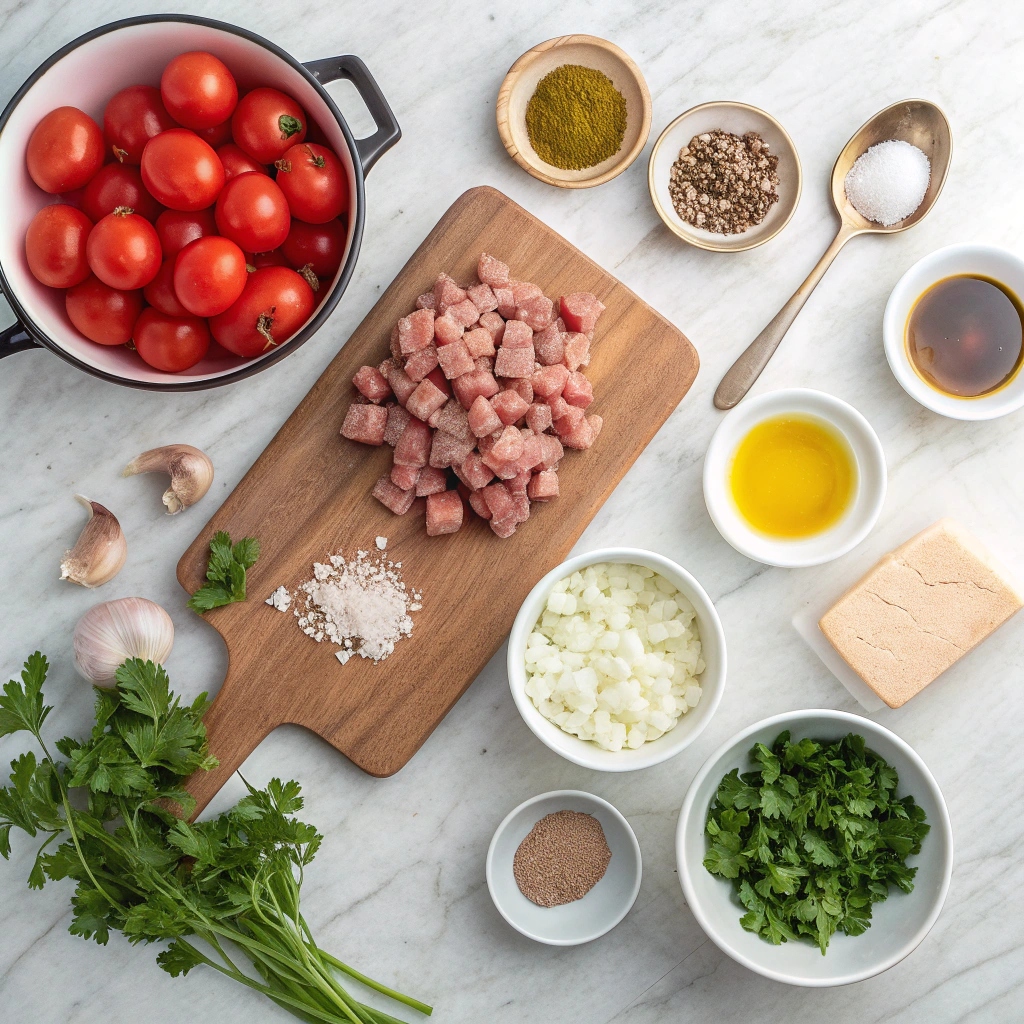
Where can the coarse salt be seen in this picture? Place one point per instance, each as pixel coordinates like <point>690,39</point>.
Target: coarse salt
<point>280,599</point>
<point>381,542</point>
<point>887,183</point>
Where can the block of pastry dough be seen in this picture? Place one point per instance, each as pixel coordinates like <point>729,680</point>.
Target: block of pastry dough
<point>919,610</point>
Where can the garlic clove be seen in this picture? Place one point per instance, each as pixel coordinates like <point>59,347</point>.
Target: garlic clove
<point>191,473</point>
<point>110,633</point>
<point>100,550</point>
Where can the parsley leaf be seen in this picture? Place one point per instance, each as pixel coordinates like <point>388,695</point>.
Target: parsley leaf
<point>225,572</point>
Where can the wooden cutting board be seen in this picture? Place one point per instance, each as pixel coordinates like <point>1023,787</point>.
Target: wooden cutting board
<point>308,496</point>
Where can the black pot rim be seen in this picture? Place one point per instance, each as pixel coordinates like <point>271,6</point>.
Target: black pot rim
<point>355,223</point>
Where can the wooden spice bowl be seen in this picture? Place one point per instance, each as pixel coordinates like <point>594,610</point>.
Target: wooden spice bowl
<point>591,52</point>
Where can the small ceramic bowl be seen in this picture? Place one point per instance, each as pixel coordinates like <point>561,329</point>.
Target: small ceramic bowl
<point>583,920</point>
<point>982,260</point>
<point>898,924</point>
<point>858,519</point>
<point>521,82</point>
<point>689,726</point>
<point>736,118</point>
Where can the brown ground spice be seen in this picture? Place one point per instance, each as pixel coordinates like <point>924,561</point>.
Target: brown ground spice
<point>562,859</point>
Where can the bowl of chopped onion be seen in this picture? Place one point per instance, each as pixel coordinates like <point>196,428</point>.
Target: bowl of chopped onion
<point>617,659</point>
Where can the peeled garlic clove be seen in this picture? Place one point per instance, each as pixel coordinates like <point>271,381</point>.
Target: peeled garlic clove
<point>191,473</point>
<point>100,550</point>
<point>109,634</point>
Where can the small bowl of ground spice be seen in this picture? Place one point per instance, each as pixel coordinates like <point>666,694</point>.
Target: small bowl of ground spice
<point>564,868</point>
<point>574,111</point>
<point>725,176</point>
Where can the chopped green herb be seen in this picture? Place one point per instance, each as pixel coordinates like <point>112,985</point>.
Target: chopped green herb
<point>813,837</point>
<point>225,572</point>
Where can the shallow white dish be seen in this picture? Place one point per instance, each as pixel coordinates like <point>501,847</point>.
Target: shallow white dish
<point>985,260</point>
<point>583,920</point>
<point>692,723</point>
<point>858,519</point>
<point>899,923</point>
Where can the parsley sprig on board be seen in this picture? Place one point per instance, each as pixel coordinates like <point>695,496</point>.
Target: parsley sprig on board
<point>217,893</point>
<point>813,837</point>
<point>225,572</point>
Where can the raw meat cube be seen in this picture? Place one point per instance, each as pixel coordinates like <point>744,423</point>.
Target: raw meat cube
<point>384,368</point>
<point>444,513</point>
<point>430,481</point>
<point>543,486</point>
<point>365,423</point>
<point>577,351</point>
<point>469,385</point>
<point>523,290</point>
<point>419,364</point>
<point>416,331</point>
<point>479,505</point>
<point>451,417</point>
<point>509,406</point>
<point>464,312</point>
<point>504,528</point>
<point>499,501</point>
<point>506,302</point>
<point>538,417</point>
<point>565,425</point>
<point>438,379</point>
<point>552,449</point>
<point>396,349</point>
<point>517,335</point>
<point>413,448</point>
<point>494,325</point>
<point>521,386</point>
<point>482,417</point>
<point>521,506</point>
<point>447,449</point>
<point>455,359</point>
<point>474,472</point>
<point>581,436</point>
<point>578,390</point>
<point>393,497</point>
<point>447,293</point>
<point>371,383</point>
<point>405,476</point>
<point>479,342</point>
<point>559,407</point>
<point>596,423</point>
<point>492,271</point>
<point>518,483</point>
<point>580,311</point>
<point>513,362</point>
<point>509,446</point>
<point>482,297</point>
<point>398,419</point>
<point>484,363</point>
<point>428,300</point>
<point>533,452</point>
<point>548,381</point>
<point>447,330</point>
<point>537,312</point>
<point>427,398</point>
<point>548,346</point>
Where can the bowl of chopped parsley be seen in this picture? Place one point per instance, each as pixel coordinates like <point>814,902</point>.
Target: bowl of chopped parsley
<point>815,848</point>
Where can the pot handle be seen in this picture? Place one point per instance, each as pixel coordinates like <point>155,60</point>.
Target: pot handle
<point>350,67</point>
<point>14,339</point>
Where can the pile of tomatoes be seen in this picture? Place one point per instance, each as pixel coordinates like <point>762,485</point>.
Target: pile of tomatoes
<point>193,216</point>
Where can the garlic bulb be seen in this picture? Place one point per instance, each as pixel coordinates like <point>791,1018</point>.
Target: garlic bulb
<point>100,550</point>
<point>191,473</point>
<point>110,633</point>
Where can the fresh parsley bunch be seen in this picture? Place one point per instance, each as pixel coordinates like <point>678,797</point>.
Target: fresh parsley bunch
<point>221,893</point>
<point>225,572</point>
<point>813,837</point>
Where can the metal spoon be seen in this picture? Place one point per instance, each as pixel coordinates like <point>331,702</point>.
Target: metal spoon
<point>915,121</point>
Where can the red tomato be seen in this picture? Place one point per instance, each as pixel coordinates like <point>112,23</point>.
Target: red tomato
<point>124,251</point>
<point>320,246</point>
<point>55,246</point>
<point>132,117</point>
<point>274,258</point>
<point>209,274</point>
<point>236,162</point>
<point>276,302</point>
<point>198,90</point>
<point>266,123</point>
<point>170,343</point>
<point>252,211</point>
<point>176,229</point>
<point>313,182</point>
<point>65,150</point>
<point>118,185</point>
<point>182,171</point>
<point>103,314</point>
<point>218,135</point>
<point>160,294</point>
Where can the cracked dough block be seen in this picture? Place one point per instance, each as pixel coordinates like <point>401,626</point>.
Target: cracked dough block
<point>919,610</point>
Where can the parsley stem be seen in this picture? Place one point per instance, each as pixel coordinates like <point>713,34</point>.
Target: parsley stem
<point>375,985</point>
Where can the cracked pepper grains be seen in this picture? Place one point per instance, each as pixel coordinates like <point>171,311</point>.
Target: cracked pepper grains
<point>562,859</point>
<point>724,183</point>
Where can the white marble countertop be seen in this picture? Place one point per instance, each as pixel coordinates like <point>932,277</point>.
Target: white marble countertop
<point>398,888</point>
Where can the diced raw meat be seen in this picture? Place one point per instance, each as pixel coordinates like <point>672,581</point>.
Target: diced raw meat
<point>413,448</point>
<point>523,290</point>
<point>565,425</point>
<point>475,472</point>
<point>430,481</point>
<point>537,312</point>
<point>559,407</point>
<point>580,311</point>
<point>469,385</point>
<point>416,331</point>
<point>494,325</point>
<point>553,451</point>
<point>484,363</point>
<point>427,398</point>
<point>447,449</point>
<point>428,300</point>
<point>521,506</point>
<point>464,312</point>
<point>371,383</point>
<point>578,390</point>
<point>479,342</point>
<point>393,497</point>
<point>447,330</point>
<point>538,417</point>
<point>498,500</point>
<point>420,363</point>
<point>533,452</point>
<point>447,293</point>
<point>583,434</point>
<point>509,446</point>
<point>509,406</point>
<point>398,419</point>
<point>577,351</point>
<point>438,379</point>
<point>455,359</point>
<point>548,381</point>
<point>483,419</point>
<point>482,297</point>
<point>522,386</point>
<point>596,423</point>
<point>479,505</point>
<point>451,417</point>
<point>548,346</point>
<point>514,362</point>
<point>506,302</point>
<point>385,367</point>
<point>405,476</point>
<point>492,271</point>
<point>504,528</point>
<point>517,335</point>
<point>543,486</point>
<point>396,349</point>
<point>518,483</point>
<point>365,423</point>
<point>444,513</point>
